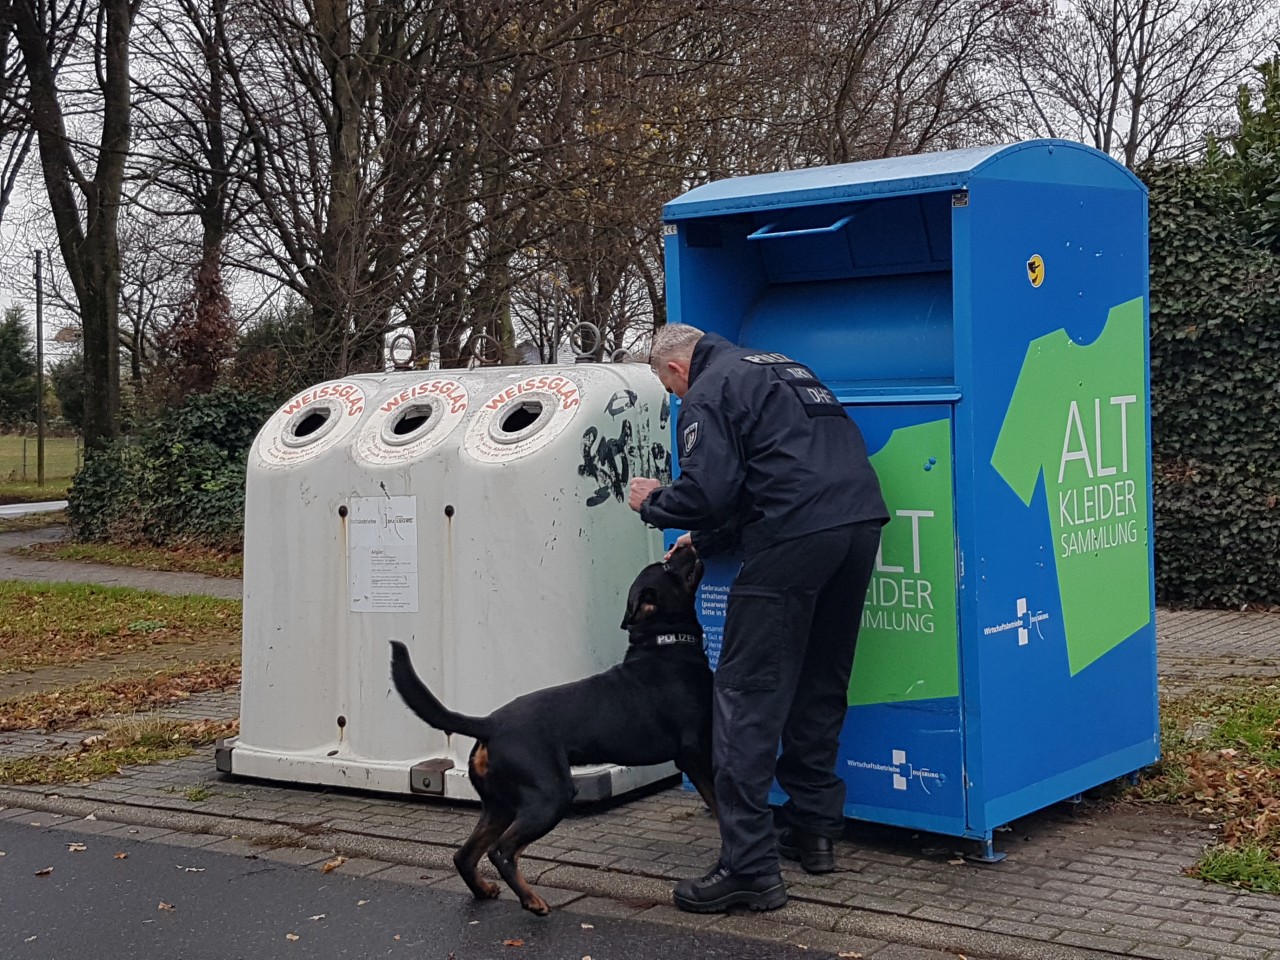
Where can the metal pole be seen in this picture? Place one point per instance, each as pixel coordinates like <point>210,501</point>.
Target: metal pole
<point>39,374</point>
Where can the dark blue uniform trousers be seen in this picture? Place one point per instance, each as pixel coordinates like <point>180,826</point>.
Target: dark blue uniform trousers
<point>789,638</point>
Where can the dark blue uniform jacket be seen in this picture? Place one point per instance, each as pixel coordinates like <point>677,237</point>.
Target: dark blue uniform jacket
<point>767,453</point>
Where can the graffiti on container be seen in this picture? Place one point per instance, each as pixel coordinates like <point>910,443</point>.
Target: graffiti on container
<point>611,461</point>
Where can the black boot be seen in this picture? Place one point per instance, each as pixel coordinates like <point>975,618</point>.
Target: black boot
<point>816,854</point>
<point>719,890</point>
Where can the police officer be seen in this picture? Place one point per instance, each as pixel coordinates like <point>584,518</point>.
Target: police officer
<point>770,463</point>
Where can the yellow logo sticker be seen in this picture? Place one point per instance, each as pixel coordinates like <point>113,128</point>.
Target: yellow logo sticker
<point>1035,270</point>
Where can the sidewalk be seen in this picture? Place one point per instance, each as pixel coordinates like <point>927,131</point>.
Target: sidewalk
<point>1089,882</point>
<point>30,569</point>
<point>24,509</point>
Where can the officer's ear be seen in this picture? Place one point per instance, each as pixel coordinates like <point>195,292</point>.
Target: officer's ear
<point>676,378</point>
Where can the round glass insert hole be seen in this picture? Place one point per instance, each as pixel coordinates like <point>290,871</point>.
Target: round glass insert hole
<point>309,425</point>
<point>312,422</point>
<point>411,420</point>
<point>412,423</point>
<point>523,416</point>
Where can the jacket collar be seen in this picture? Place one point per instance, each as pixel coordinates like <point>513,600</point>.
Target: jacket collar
<point>706,349</point>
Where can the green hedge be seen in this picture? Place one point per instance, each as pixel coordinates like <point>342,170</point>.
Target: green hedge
<point>1215,383</point>
<point>180,480</point>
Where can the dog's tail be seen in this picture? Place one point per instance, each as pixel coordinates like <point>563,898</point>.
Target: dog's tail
<point>424,703</point>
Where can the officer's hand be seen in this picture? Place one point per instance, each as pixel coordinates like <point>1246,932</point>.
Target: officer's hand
<point>684,540</point>
<point>639,492</point>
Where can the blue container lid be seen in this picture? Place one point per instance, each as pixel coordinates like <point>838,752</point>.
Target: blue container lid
<point>895,176</point>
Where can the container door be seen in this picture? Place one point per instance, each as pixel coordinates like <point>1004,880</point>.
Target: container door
<point>900,751</point>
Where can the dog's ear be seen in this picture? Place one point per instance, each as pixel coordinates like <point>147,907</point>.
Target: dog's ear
<point>694,577</point>
<point>684,563</point>
<point>640,605</point>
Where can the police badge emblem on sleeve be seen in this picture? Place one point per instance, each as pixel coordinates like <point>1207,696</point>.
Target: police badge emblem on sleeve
<point>690,437</point>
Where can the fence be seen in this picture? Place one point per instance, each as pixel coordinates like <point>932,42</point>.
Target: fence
<point>62,458</point>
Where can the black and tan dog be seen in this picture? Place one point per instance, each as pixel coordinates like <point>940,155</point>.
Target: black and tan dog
<point>654,707</point>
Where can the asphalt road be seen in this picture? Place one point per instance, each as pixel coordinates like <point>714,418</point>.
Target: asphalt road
<point>222,907</point>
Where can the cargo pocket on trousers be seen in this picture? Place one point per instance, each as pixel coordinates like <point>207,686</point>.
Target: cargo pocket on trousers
<point>753,635</point>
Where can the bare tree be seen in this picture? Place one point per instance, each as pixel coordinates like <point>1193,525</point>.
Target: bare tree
<point>348,125</point>
<point>880,78</point>
<point>16,133</point>
<point>1140,79</point>
<point>75,61</point>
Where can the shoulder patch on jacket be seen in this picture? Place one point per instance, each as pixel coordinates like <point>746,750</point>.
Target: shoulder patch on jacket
<point>690,439</point>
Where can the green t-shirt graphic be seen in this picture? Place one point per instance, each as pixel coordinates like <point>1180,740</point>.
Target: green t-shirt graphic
<point>1078,416</point>
<point>907,641</point>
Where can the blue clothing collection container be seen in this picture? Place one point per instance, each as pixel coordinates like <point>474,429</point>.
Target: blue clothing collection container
<point>983,315</point>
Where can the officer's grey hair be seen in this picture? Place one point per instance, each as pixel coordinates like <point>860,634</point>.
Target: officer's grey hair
<point>675,341</point>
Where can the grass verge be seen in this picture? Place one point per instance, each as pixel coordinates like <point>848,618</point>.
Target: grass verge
<point>18,465</point>
<point>1221,760</point>
<point>126,743</point>
<point>22,491</point>
<point>213,563</point>
<point>73,705</point>
<point>60,623</point>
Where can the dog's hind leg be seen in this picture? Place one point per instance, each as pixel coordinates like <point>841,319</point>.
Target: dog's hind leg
<point>493,823</point>
<point>698,770</point>
<point>537,816</point>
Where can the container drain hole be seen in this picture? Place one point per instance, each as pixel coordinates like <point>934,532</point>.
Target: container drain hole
<point>411,420</point>
<point>522,416</point>
<point>312,422</point>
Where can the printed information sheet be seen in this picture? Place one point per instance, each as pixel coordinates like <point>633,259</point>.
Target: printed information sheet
<point>382,554</point>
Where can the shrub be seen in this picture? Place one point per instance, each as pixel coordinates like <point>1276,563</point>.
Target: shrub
<point>180,480</point>
<point>1215,366</point>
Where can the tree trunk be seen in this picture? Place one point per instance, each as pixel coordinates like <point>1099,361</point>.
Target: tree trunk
<point>86,211</point>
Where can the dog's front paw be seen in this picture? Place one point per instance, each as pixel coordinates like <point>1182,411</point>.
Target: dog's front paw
<point>535,904</point>
<point>488,890</point>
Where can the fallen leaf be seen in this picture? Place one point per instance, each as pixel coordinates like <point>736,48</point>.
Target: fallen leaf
<point>76,848</point>
<point>165,906</point>
<point>361,903</point>
<point>91,817</point>
<point>318,916</point>
<point>513,943</point>
<point>396,937</point>
<point>292,936</point>
<point>121,855</point>
<point>333,864</point>
<point>588,926</point>
<point>850,955</point>
<point>956,863</point>
<point>29,939</point>
<point>45,872</point>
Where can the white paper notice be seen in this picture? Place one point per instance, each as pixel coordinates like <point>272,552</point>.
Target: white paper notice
<point>382,554</point>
